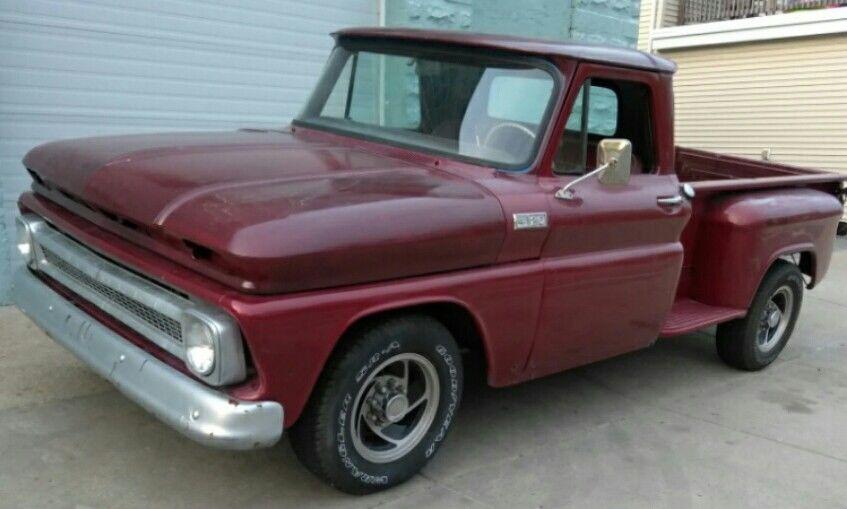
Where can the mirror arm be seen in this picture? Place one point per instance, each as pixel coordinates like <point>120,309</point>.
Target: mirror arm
<point>567,193</point>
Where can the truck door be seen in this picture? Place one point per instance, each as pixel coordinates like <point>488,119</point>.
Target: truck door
<point>613,255</point>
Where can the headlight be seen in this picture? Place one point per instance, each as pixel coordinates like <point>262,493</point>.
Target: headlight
<point>212,347</point>
<point>201,344</point>
<point>26,248</point>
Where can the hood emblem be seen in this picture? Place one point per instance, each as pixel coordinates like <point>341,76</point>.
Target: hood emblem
<point>530,220</point>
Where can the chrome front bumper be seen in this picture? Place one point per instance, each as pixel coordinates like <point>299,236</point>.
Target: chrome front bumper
<point>199,412</point>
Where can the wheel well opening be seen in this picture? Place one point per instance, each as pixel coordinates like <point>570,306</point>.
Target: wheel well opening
<point>807,264</point>
<point>805,261</point>
<point>456,318</point>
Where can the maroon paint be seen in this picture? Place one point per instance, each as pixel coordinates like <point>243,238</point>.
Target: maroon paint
<point>290,336</point>
<point>330,229</point>
<point>742,235</point>
<point>302,211</point>
<point>607,55</point>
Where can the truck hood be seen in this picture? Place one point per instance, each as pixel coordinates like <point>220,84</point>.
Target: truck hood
<point>271,212</point>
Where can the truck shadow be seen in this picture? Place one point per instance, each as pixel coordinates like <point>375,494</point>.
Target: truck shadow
<point>96,449</point>
<point>501,426</point>
<point>496,424</point>
<point>493,425</point>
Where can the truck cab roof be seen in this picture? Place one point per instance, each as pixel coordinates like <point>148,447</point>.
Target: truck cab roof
<point>616,56</point>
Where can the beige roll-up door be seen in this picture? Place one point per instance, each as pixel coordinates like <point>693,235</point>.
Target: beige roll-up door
<point>789,96</point>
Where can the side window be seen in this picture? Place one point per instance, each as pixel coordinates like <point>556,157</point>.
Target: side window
<point>606,109</point>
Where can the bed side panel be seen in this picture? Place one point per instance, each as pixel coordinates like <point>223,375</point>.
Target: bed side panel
<point>694,165</point>
<point>741,235</point>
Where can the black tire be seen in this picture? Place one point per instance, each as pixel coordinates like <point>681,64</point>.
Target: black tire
<point>323,439</point>
<point>744,343</point>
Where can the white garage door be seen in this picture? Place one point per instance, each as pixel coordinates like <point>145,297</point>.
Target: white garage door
<point>71,68</point>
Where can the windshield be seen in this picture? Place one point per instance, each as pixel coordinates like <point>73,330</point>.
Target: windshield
<point>452,103</point>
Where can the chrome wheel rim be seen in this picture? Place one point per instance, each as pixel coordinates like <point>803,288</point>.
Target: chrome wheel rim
<point>775,318</point>
<point>395,408</point>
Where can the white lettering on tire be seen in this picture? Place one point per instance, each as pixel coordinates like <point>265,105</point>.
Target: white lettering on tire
<point>454,399</point>
<point>343,453</point>
<point>346,460</point>
<point>453,396</point>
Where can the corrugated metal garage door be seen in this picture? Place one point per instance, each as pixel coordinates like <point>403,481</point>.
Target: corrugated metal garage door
<point>80,68</point>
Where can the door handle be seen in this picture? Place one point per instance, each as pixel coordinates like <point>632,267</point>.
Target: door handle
<point>670,201</point>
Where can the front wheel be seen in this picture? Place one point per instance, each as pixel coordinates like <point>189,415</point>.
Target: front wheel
<point>383,405</point>
<point>753,342</point>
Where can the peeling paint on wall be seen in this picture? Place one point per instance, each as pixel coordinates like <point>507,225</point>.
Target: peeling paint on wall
<point>445,14</point>
<point>550,19</point>
<point>596,21</point>
<point>613,22</point>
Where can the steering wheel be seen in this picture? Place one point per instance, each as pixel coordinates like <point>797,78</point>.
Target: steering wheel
<point>511,125</point>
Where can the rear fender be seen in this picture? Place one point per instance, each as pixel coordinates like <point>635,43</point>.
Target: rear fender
<point>744,234</point>
<point>802,255</point>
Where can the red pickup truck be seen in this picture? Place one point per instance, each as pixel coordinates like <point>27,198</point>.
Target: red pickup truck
<point>441,194</point>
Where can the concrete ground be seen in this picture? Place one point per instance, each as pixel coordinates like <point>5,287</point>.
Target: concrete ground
<point>666,427</point>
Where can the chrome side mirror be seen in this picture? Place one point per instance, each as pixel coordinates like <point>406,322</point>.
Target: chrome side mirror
<point>614,158</point>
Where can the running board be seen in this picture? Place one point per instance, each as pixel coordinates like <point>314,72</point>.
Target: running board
<point>688,315</point>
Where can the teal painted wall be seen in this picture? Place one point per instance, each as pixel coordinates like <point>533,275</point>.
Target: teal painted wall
<point>550,19</point>
<point>612,22</point>
<point>445,14</point>
<point>596,21</point>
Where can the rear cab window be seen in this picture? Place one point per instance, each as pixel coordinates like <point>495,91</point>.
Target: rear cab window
<point>519,99</point>
<point>606,109</point>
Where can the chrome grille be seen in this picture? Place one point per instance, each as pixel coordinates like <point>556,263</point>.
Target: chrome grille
<point>148,308</point>
<point>148,315</point>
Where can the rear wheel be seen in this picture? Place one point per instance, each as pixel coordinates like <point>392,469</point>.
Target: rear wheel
<point>383,406</point>
<point>753,342</point>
